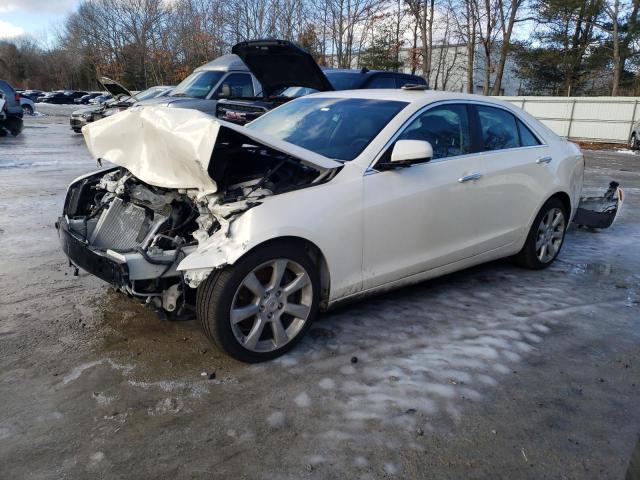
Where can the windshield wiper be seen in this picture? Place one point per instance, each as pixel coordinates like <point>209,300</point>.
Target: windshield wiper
<point>179,94</point>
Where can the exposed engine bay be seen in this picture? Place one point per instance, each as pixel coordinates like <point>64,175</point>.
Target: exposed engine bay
<point>134,235</point>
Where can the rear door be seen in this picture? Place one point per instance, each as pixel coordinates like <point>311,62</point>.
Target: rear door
<point>517,168</point>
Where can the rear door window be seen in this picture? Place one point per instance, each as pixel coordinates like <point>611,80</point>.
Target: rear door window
<point>445,127</point>
<point>527,138</point>
<point>498,127</point>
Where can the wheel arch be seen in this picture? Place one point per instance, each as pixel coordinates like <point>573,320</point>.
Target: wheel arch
<point>199,265</point>
<point>565,199</point>
<point>314,252</point>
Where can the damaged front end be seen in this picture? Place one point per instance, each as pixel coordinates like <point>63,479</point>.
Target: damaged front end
<point>134,230</point>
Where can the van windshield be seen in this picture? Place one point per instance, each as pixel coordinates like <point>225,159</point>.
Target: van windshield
<point>198,84</point>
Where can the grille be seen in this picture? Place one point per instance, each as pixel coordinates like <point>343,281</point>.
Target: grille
<point>122,226</point>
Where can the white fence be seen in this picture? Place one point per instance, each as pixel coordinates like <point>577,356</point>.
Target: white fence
<point>598,119</point>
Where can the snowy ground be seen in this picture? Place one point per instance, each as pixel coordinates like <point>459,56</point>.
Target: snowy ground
<point>493,372</point>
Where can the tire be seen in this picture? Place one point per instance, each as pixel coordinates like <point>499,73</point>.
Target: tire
<point>77,130</point>
<point>634,142</point>
<point>27,110</point>
<point>254,338</point>
<point>531,256</point>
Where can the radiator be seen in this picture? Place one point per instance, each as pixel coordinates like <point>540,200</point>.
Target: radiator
<point>123,226</point>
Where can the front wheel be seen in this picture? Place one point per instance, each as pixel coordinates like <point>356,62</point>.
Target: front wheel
<point>260,307</point>
<point>545,238</point>
<point>634,142</point>
<point>27,109</point>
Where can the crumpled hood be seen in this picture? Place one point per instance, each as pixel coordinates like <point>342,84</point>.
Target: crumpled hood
<point>172,148</point>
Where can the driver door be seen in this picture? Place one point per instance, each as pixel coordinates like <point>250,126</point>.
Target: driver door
<point>424,216</point>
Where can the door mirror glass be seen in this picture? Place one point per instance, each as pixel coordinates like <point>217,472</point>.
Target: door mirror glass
<point>410,151</point>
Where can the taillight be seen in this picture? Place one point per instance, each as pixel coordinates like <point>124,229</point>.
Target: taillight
<point>17,97</point>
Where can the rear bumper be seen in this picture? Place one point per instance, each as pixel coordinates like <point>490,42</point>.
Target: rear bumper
<point>92,261</point>
<point>600,212</point>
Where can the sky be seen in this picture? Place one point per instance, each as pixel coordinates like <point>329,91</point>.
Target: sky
<point>35,17</point>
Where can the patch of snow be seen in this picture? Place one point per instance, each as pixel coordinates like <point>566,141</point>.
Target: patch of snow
<point>302,400</point>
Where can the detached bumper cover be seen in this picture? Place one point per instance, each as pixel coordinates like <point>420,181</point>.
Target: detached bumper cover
<point>93,262</point>
<point>600,212</point>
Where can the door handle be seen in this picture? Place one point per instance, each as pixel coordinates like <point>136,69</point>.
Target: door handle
<point>471,176</point>
<point>546,159</point>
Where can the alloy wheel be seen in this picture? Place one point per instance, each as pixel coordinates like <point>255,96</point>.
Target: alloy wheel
<point>271,305</point>
<point>550,235</point>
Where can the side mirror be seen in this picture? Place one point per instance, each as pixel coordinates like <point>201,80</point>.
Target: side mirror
<point>408,151</point>
<point>225,91</point>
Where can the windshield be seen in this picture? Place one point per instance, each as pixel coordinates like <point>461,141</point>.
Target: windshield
<point>294,92</point>
<point>152,92</point>
<point>198,84</point>
<point>338,128</point>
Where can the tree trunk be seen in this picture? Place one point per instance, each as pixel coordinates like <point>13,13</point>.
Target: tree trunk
<point>506,46</point>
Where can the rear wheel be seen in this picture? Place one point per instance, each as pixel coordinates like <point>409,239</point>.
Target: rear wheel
<point>260,307</point>
<point>634,143</point>
<point>27,109</point>
<point>545,238</point>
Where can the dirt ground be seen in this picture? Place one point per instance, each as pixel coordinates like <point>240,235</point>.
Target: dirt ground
<point>493,372</point>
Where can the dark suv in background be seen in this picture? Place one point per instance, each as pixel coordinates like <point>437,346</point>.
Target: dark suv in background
<point>286,71</point>
<point>64,97</point>
<point>12,118</point>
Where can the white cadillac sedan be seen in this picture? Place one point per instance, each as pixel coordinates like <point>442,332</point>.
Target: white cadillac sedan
<point>324,199</point>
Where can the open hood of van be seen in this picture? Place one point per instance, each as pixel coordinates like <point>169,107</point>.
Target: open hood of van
<point>278,64</point>
<point>173,147</point>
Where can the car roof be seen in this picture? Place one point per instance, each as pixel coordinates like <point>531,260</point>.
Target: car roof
<point>224,63</point>
<point>409,96</point>
<point>364,71</point>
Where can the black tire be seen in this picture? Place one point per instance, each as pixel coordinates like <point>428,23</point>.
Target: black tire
<point>634,143</point>
<point>215,296</point>
<point>27,110</point>
<point>527,257</point>
<point>77,130</point>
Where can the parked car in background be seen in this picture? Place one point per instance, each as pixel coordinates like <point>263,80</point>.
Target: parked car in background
<point>65,97</point>
<point>121,100</point>
<point>86,98</point>
<point>12,121</point>
<point>225,76</point>
<point>285,71</point>
<point>34,95</point>
<point>325,199</point>
<point>100,99</point>
<point>634,137</point>
<point>28,106</point>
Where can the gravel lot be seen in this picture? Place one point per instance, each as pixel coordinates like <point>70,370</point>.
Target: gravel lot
<point>493,372</point>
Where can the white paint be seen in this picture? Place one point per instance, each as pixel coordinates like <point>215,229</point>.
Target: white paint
<point>353,219</point>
